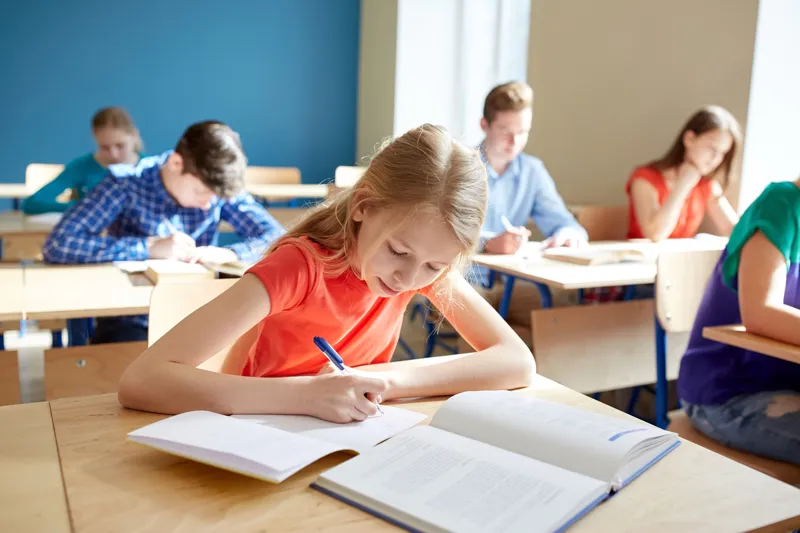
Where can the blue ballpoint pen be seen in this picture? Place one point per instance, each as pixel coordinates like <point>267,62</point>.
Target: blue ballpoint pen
<point>335,359</point>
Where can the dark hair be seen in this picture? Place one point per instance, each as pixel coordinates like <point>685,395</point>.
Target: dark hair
<point>119,119</point>
<point>511,96</point>
<point>212,151</point>
<point>706,119</point>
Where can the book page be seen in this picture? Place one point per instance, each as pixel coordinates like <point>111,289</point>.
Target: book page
<point>131,267</point>
<point>593,444</point>
<point>358,436</point>
<point>431,477</point>
<point>168,266</point>
<point>230,443</point>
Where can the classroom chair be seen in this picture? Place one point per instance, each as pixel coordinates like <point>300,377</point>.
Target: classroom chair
<point>87,370</point>
<point>786,472</point>
<point>681,279</point>
<point>9,378</point>
<point>170,303</point>
<point>604,222</point>
<point>272,175</point>
<point>37,175</point>
<point>346,177</point>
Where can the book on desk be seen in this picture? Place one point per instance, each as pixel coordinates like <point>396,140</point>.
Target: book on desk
<point>498,461</point>
<point>268,447</point>
<point>594,256</point>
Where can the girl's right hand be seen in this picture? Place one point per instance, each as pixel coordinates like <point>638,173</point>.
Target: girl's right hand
<point>341,398</point>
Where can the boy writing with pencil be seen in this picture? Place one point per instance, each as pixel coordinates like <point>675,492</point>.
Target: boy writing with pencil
<point>520,188</point>
<point>166,207</point>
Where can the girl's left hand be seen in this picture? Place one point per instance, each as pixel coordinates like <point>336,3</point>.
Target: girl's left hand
<point>330,368</point>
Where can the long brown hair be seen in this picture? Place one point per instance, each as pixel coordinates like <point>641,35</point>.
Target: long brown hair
<point>706,119</point>
<point>423,168</point>
<point>119,119</point>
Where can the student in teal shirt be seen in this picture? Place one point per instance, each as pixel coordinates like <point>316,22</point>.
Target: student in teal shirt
<point>744,399</point>
<point>117,140</point>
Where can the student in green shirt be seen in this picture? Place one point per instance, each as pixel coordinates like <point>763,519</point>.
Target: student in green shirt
<point>117,140</point>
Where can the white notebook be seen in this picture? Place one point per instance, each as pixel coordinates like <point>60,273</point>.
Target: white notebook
<point>498,461</point>
<point>270,447</point>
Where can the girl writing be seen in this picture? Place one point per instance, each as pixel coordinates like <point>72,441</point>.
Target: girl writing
<point>345,273</point>
<point>117,141</point>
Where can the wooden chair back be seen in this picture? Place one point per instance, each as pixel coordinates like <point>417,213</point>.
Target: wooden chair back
<point>87,370</point>
<point>9,377</point>
<point>348,176</point>
<point>171,303</point>
<point>604,222</point>
<point>272,176</point>
<point>37,175</point>
<point>681,280</point>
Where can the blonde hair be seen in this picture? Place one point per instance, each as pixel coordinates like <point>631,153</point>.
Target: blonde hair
<point>424,168</point>
<point>119,119</point>
<point>511,96</point>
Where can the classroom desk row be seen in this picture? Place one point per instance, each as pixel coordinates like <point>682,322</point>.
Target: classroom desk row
<point>616,347</point>
<point>41,292</point>
<point>68,468</point>
<point>20,191</point>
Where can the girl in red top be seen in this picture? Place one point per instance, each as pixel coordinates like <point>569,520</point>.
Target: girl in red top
<point>669,197</point>
<point>345,273</point>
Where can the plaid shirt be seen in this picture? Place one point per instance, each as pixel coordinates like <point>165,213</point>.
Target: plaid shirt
<point>131,204</point>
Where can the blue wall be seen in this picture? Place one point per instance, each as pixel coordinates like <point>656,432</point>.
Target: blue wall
<point>281,72</point>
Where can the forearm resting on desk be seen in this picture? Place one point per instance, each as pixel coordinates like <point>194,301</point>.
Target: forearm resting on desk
<point>485,370</point>
<point>170,388</point>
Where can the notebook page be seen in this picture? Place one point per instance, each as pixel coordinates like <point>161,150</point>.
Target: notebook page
<point>582,441</point>
<point>459,484</point>
<point>358,436</point>
<point>203,430</point>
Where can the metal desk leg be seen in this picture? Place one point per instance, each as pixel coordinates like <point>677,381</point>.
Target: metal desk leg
<point>662,391</point>
<point>544,292</point>
<point>79,332</point>
<point>506,301</point>
<point>630,292</point>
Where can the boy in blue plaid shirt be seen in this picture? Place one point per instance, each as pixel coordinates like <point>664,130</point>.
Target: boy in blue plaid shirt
<point>166,207</point>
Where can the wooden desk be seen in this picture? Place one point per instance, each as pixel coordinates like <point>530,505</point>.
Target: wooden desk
<point>116,486</point>
<point>739,337</point>
<point>286,192</point>
<point>14,190</point>
<point>564,275</point>
<point>11,293</point>
<point>83,291</point>
<point>23,237</point>
<point>31,487</point>
<point>16,223</point>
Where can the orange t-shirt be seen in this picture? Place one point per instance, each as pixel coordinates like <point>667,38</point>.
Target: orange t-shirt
<point>694,208</point>
<point>362,327</point>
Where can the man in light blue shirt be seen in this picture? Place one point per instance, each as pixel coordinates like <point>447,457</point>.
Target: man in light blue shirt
<point>519,184</point>
<point>520,188</point>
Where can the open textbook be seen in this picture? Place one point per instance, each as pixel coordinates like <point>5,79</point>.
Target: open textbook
<point>590,256</point>
<point>268,447</point>
<point>498,461</point>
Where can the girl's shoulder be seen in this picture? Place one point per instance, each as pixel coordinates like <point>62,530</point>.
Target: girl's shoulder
<point>83,162</point>
<point>649,174</point>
